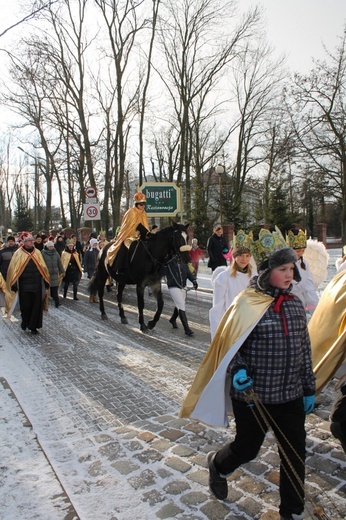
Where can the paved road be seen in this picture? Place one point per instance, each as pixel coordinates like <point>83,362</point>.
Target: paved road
<point>103,399</point>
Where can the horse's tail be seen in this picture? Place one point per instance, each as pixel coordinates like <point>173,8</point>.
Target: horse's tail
<point>99,276</point>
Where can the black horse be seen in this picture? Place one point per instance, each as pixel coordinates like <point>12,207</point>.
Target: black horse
<point>146,259</point>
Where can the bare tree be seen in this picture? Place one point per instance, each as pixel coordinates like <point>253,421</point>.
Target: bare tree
<point>318,115</point>
<point>195,60</point>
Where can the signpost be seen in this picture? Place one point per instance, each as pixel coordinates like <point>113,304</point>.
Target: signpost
<point>163,198</point>
<point>91,207</point>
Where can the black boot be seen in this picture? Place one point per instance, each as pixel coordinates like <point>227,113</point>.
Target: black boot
<point>75,294</point>
<point>182,315</point>
<point>65,290</point>
<point>173,319</point>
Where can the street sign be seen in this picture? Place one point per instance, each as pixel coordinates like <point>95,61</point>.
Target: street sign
<point>90,192</point>
<point>92,212</point>
<point>163,198</point>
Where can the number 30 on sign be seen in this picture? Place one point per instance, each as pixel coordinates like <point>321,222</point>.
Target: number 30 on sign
<point>91,212</point>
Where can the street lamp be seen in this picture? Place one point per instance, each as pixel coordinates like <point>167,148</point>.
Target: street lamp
<point>220,170</point>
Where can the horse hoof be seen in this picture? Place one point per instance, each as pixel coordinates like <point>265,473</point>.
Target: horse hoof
<point>104,317</point>
<point>151,324</point>
<point>144,328</point>
<point>124,321</point>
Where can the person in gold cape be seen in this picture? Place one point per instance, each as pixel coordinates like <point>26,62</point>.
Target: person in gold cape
<point>327,329</point>
<point>28,274</point>
<point>272,356</point>
<point>134,223</point>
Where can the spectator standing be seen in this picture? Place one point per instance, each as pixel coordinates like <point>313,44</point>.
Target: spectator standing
<point>217,247</point>
<point>28,274</point>
<point>177,272</point>
<point>55,268</point>
<point>73,269</point>
<point>196,254</point>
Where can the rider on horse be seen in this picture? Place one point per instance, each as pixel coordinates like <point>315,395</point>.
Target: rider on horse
<point>133,225</point>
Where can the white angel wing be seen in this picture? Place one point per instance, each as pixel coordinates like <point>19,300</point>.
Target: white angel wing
<point>317,257</point>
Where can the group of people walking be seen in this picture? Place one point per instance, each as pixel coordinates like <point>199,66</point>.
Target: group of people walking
<point>259,363</point>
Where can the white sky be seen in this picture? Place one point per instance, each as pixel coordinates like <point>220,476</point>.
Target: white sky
<point>295,27</point>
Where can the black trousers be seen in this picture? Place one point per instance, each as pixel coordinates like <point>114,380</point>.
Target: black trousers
<point>290,419</point>
<point>31,308</point>
<point>54,294</point>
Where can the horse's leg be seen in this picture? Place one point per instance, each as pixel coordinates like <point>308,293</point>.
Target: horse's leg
<point>121,287</point>
<point>157,292</point>
<point>140,304</point>
<point>96,285</point>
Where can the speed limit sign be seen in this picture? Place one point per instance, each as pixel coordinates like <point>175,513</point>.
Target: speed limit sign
<point>91,212</point>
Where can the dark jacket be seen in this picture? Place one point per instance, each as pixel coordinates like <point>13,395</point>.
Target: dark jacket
<point>5,258</point>
<point>90,261</point>
<point>54,265</point>
<point>215,246</point>
<point>177,273</point>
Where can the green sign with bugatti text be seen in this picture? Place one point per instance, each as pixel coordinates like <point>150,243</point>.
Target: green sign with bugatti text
<point>163,198</point>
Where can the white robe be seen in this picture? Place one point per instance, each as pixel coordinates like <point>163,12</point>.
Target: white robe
<point>306,288</point>
<point>225,289</point>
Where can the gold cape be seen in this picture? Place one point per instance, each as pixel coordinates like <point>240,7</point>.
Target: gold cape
<point>19,261</point>
<point>237,323</point>
<point>128,230</point>
<point>327,329</point>
<point>65,259</point>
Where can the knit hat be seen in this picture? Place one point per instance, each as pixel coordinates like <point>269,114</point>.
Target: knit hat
<point>10,238</point>
<point>281,257</point>
<point>93,241</point>
<point>49,244</point>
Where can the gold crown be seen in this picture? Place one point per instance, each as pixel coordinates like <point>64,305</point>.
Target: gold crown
<point>296,241</point>
<point>242,241</point>
<point>267,244</point>
<point>139,197</point>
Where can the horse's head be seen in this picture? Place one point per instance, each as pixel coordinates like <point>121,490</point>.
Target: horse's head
<point>179,236</point>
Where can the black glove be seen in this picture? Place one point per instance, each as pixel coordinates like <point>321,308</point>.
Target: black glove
<point>225,250</point>
<point>14,288</point>
<point>195,285</point>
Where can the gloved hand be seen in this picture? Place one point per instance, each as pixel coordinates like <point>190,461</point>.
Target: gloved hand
<point>225,250</point>
<point>195,285</point>
<point>241,380</point>
<point>309,403</point>
<point>14,288</point>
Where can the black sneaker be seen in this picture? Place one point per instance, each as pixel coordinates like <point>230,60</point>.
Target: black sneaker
<point>217,484</point>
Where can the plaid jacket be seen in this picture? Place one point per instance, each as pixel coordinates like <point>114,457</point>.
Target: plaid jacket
<point>277,353</point>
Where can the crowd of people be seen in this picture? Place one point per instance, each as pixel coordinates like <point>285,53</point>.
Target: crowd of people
<point>259,363</point>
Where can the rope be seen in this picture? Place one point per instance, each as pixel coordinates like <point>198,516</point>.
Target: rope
<point>318,511</point>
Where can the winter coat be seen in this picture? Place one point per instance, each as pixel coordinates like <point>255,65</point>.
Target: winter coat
<point>90,261</point>
<point>5,258</point>
<point>54,265</point>
<point>177,274</point>
<point>60,246</point>
<point>215,247</point>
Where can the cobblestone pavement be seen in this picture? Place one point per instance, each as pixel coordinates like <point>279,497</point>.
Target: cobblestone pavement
<point>107,398</point>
